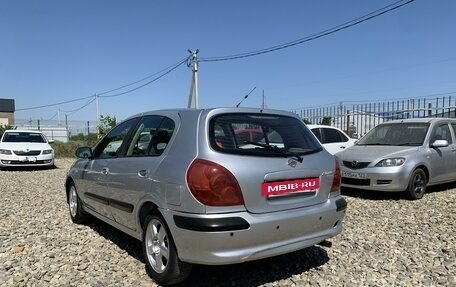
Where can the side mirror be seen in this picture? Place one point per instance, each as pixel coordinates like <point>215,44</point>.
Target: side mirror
<point>51,141</point>
<point>84,152</point>
<point>440,143</point>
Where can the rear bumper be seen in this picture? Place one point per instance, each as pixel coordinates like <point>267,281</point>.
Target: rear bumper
<point>238,237</point>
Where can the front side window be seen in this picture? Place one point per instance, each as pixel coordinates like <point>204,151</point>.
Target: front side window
<point>453,125</point>
<point>261,135</point>
<point>442,132</point>
<point>111,145</point>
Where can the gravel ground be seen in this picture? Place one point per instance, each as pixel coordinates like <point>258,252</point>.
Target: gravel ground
<point>387,241</point>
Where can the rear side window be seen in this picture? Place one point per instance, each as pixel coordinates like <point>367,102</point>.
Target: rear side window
<point>261,135</point>
<point>333,136</point>
<point>316,132</point>
<point>151,136</point>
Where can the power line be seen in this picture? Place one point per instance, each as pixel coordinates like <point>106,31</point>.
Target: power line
<point>53,116</point>
<point>56,104</point>
<point>321,34</point>
<point>149,82</point>
<point>167,69</point>
<point>145,78</point>
<point>80,108</point>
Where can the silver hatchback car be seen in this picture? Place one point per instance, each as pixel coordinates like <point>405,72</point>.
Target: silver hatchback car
<point>198,193</point>
<point>402,156</point>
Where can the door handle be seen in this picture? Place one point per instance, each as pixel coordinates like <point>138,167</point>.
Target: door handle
<point>104,170</point>
<point>142,173</point>
<point>342,147</point>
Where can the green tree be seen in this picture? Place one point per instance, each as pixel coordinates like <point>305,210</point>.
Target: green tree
<point>326,121</point>
<point>307,122</point>
<point>90,139</point>
<point>3,128</point>
<point>106,124</point>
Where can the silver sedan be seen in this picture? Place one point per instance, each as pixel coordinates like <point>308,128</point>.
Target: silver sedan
<point>402,156</point>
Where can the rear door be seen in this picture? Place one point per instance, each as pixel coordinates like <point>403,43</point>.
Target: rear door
<point>131,176</point>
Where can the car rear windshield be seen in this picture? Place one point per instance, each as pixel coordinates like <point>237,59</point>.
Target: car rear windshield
<point>23,137</point>
<point>396,134</point>
<point>261,135</point>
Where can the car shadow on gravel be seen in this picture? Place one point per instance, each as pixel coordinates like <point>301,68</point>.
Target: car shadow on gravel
<point>253,273</point>
<point>381,195</point>
<point>125,242</point>
<point>371,194</point>
<point>27,168</point>
<point>259,272</point>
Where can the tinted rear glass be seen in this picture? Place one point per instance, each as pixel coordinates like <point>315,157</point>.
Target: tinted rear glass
<point>248,134</point>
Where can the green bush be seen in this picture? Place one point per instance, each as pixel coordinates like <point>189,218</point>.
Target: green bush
<point>67,150</point>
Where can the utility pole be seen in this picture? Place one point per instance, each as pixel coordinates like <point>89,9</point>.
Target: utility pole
<point>262,104</point>
<point>66,127</point>
<point>96,104</point>
<point>194,84</point>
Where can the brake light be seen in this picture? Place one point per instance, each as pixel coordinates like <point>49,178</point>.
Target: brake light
<point>213,185</point>
<point>336,180</point>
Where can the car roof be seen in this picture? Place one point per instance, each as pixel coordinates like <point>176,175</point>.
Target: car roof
<point>419,120</point>
<point>320,126</point>
<point>218,109</point>
<point>23,131</point>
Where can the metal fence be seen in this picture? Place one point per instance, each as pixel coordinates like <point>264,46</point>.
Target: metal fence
<point>357,119</point>
<point>58,130</point>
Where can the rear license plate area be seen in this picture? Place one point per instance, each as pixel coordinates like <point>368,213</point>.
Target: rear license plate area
<point>290,187</point>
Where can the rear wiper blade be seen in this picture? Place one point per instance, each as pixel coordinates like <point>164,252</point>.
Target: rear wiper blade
<point>275,149</point>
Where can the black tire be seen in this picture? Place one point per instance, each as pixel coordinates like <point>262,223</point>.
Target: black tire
<point>77,214</point>
<point>417,185</point>
<point>160,255</point>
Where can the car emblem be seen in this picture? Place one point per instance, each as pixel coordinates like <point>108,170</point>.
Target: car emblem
<point>292,162</point>
<point>354,163</point>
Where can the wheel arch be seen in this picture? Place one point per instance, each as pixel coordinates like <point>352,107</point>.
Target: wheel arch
<point>146,209</point>
<point>425,169</point>
<point>68,183</point>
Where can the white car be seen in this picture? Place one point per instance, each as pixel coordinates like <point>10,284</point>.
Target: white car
<point>333,139</point>
<point>25,148</point>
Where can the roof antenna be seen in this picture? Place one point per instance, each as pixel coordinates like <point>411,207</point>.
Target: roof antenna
<point>245,97</point>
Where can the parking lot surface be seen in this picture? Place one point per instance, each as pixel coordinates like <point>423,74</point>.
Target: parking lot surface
<point>387,241</point>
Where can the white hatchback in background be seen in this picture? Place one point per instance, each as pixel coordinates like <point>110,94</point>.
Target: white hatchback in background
<point>333,139</point>
<point>25,148</point>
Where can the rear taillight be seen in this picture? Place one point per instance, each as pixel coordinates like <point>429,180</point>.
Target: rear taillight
<point>213,185</point>
<point>335,186</point>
